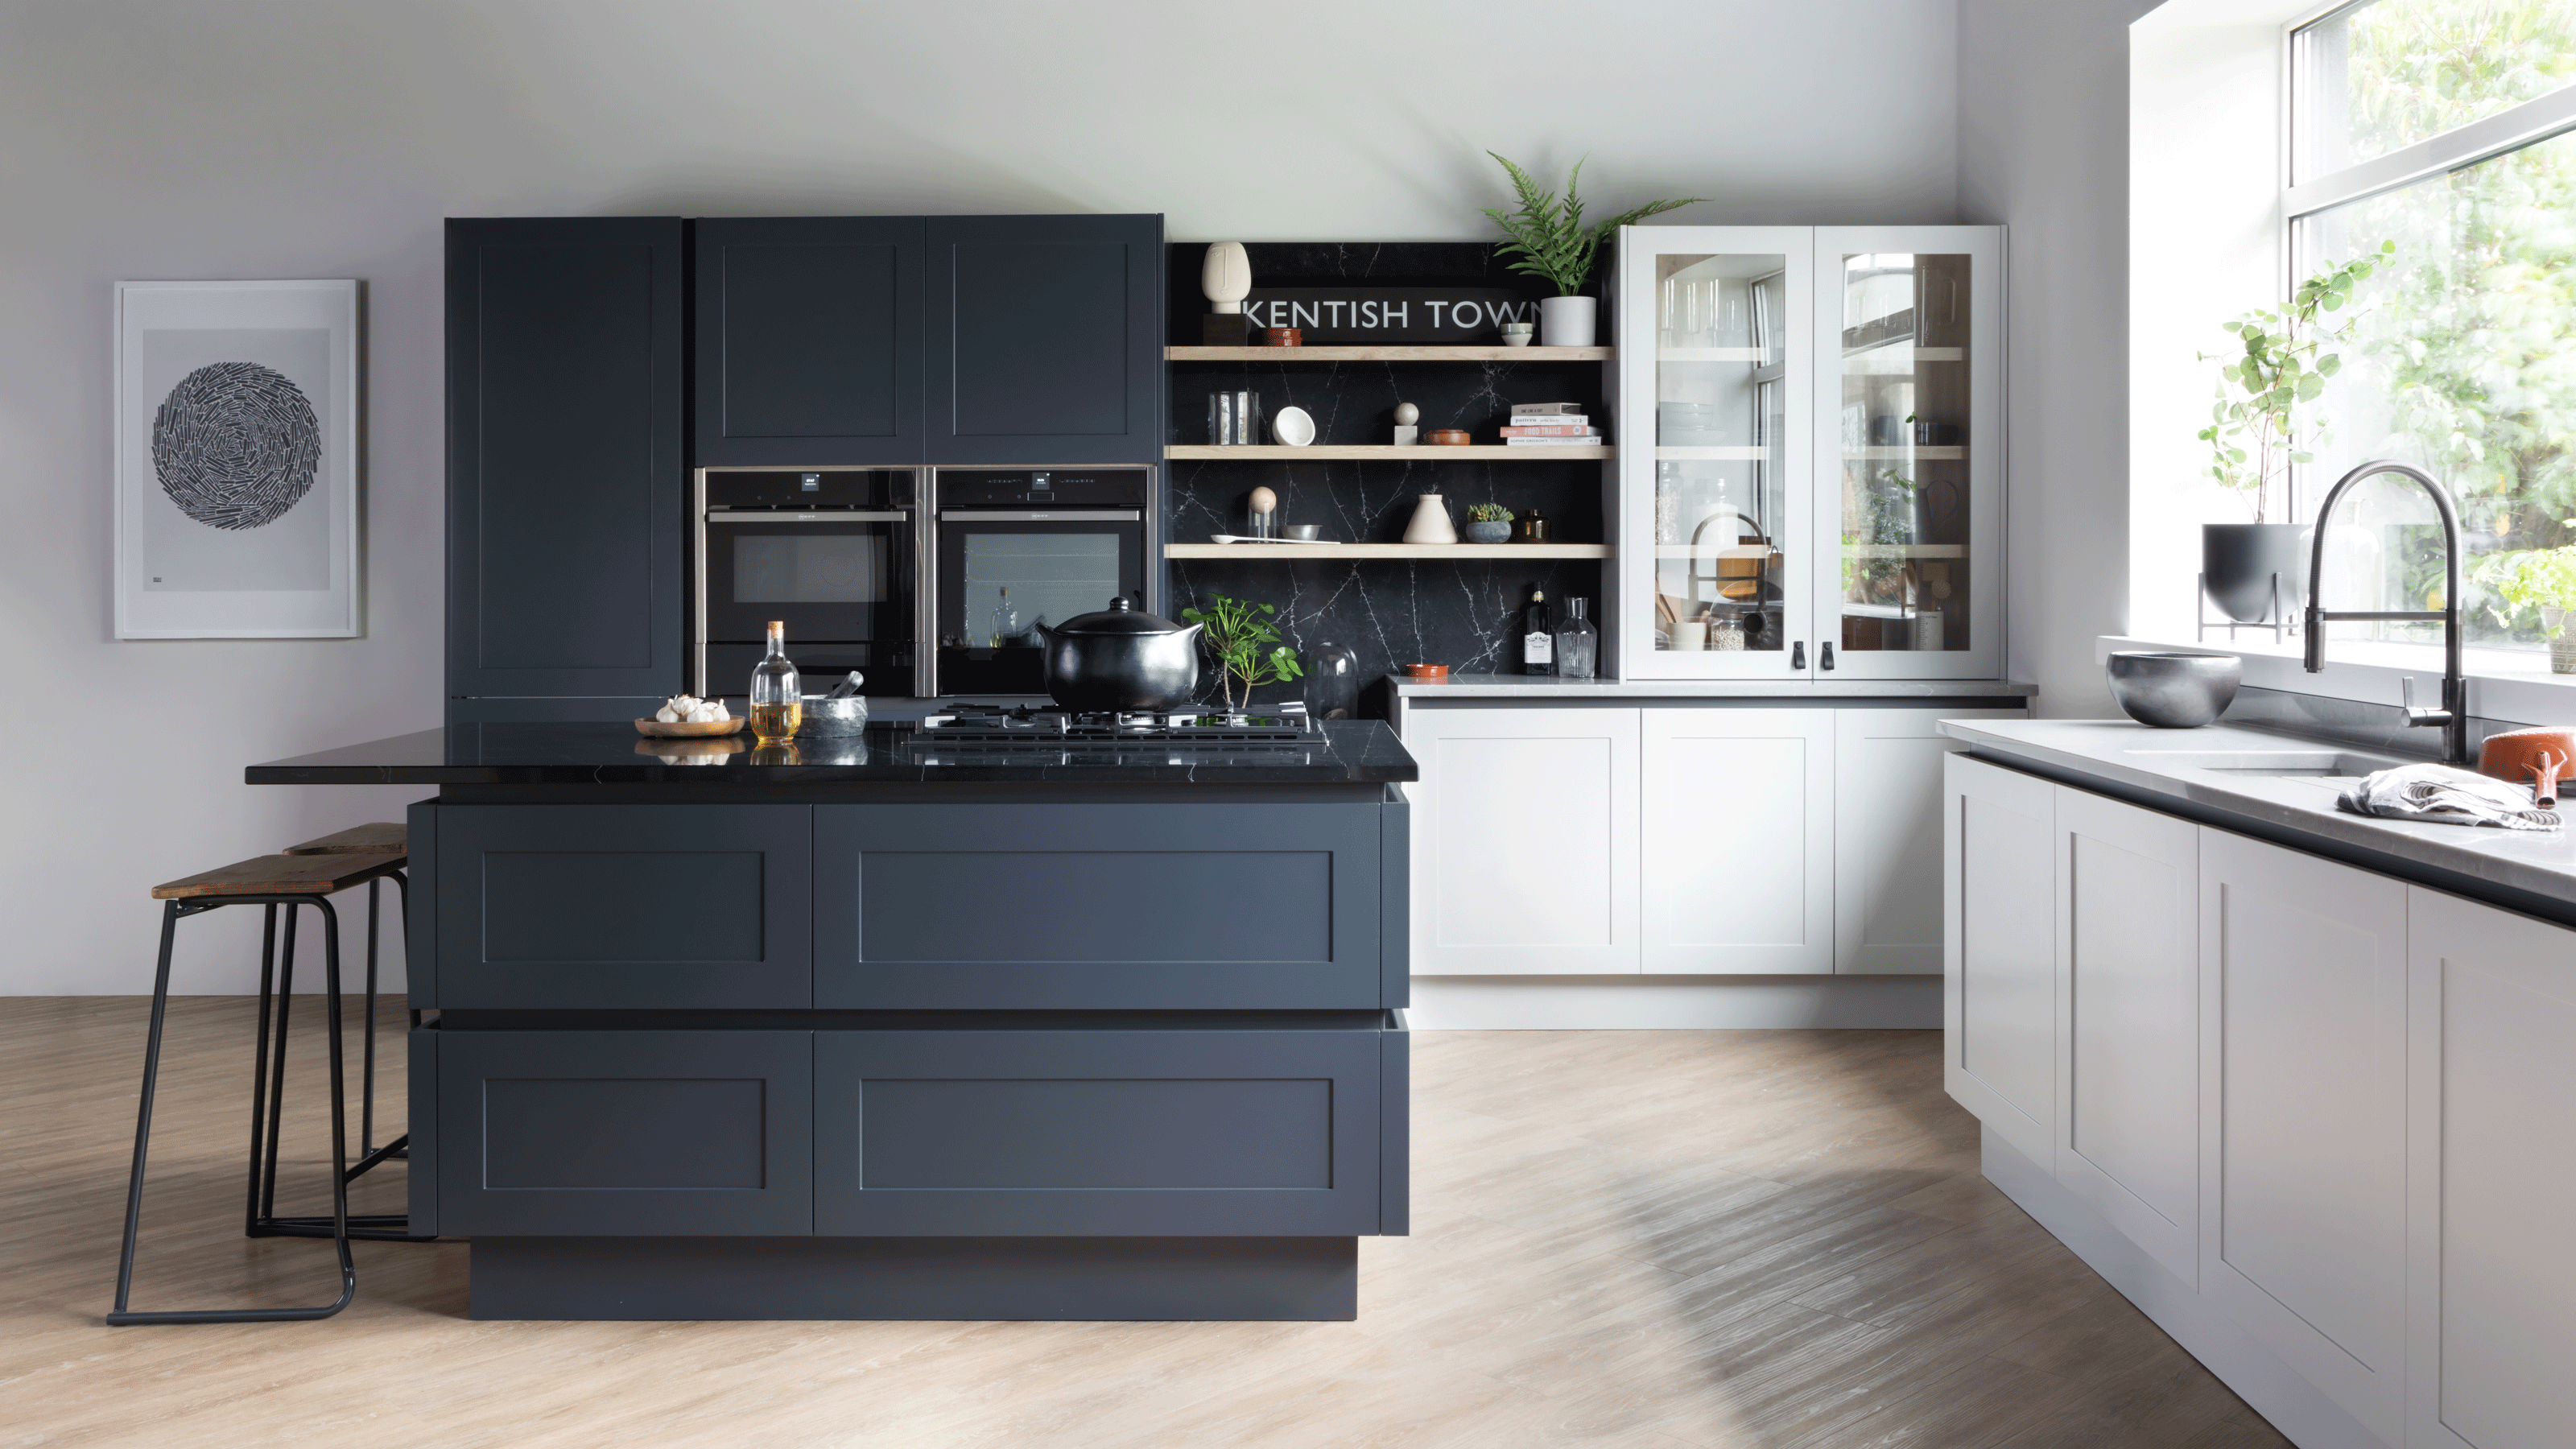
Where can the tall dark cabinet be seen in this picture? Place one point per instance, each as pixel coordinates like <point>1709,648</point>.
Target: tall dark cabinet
<point>565,466</point>
<point>1046,340</point>
<point>809,340</point>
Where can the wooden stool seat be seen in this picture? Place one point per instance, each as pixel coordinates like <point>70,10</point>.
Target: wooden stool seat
<point>281,875</point>
<point>383,837</point>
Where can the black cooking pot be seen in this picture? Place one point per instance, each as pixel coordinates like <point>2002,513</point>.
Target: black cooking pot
<point>1120,659</point>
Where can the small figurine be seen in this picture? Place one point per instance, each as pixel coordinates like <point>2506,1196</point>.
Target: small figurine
<point>1406,433</point>
<point>1225,277</point>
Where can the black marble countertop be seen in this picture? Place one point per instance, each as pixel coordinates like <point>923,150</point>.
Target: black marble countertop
<point>1346,751</point>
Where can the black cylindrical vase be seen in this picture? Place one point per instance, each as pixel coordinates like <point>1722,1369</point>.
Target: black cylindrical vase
<point>2238,560</point>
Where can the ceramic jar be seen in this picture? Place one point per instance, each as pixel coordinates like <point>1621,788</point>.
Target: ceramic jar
<point>1430,522</point>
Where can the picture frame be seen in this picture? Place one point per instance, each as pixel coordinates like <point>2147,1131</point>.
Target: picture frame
<point>236,460</point>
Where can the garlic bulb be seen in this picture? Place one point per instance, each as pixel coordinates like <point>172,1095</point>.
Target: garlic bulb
<point>721,712</point>
<point>667,715</point>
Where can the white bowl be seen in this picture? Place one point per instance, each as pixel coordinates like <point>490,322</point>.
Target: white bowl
<point>1293,427</point>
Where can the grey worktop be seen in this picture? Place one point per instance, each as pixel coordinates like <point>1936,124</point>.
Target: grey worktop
<point>2525,870</point>
<point>1539,688</point>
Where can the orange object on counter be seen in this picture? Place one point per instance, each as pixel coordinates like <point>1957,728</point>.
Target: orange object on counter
<point>2539,757</point>
<point>1426,671</point>
<point>1448,437</point>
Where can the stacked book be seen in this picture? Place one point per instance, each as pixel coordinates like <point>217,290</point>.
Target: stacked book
<point>1550,425</point>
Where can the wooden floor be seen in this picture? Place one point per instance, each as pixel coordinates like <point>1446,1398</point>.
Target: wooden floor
<point>1774,1239</point>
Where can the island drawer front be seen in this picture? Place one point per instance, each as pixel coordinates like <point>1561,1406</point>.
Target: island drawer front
<point>607,907</point>
<point>564,1133</point>
<point>1097,1133</point>
<point>1098,906</point>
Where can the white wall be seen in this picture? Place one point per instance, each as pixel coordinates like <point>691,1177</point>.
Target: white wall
<point>316,138</point>
<point>2043,147</point>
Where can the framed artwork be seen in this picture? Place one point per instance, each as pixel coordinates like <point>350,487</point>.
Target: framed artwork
<point>237,460</point>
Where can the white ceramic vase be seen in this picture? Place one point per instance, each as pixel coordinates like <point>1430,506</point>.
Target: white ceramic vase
<point>1566,321</point>
<point>1431,522</point>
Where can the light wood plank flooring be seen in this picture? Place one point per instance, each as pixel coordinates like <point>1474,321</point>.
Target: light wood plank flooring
<point>1740,1240</point>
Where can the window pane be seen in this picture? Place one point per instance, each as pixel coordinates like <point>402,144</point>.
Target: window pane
<point>2380,76</point>
<point>2462,361</point>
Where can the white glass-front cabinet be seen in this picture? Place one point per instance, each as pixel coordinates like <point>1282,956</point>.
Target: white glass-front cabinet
<point>1810,462</point>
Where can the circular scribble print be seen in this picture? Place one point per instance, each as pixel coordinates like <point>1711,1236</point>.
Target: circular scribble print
<point>235,445</point>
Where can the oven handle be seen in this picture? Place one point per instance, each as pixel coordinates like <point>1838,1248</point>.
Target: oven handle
<point>754,515</point>
<point>1063,515</point>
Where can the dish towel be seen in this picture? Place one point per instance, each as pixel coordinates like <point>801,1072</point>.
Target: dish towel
<point>2446,796</point>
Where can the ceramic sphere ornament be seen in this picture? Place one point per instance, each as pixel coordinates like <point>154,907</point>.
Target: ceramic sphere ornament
<point>1263,501</point>
<point>1226,276</point>
<point>1406,415</point>
<point>1294,427</point>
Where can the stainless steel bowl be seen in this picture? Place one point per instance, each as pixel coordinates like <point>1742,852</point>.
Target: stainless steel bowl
<point>827,718</point>
<point>1304,532</point>
<point>2174,690</point>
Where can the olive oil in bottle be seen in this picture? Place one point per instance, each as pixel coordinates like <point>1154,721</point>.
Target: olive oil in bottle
<point>777,703</point>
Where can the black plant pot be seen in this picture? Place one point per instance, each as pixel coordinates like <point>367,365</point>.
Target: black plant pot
<point>2238,560</point>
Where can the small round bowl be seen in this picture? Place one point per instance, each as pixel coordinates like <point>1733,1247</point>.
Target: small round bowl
<point>1448,438</point>
<point>826,718</point>
<point>2174,690</point>
<point>1304,532</point>
<point>1426,671</point>
<point>1480,531</point>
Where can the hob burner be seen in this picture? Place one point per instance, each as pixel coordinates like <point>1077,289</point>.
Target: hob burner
<point>994,722</point>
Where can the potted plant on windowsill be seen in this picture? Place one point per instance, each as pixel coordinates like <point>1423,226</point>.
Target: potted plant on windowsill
<point>2543,580</point>
<point>2279,365</point>
<point>1549,238</point>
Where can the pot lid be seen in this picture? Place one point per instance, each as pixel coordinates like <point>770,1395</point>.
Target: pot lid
<point>1120,618</point>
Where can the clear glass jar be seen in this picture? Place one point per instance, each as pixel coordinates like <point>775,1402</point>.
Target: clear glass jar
<point>1726,633</point>
<point>1578,641</point>
<point>1332,682</point>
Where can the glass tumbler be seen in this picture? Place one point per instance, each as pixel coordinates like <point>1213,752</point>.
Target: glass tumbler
<point>1234,418</point>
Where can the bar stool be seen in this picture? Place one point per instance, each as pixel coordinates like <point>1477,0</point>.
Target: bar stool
<point>382,837</point>
<point>323,868</point>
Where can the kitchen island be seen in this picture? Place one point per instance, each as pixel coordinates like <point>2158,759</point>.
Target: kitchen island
<point>898,1027</point>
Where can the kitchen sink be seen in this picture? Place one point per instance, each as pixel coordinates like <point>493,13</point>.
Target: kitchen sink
<point>2292,764</point>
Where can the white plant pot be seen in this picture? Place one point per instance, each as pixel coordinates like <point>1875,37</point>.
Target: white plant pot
<point>1566,321</point>
<point>1431,522</point>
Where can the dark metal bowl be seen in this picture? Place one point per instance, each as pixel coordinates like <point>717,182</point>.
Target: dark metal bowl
<point>2174,690</point>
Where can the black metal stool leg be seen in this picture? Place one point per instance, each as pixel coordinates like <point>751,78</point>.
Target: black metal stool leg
<point>277,1079</point>
<point>367,1087</point>
<point>259,1069</point>
<point>171,913</point>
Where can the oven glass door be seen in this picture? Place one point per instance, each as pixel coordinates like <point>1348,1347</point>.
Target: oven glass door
<point>844,587</point>
<point>1001,574</point>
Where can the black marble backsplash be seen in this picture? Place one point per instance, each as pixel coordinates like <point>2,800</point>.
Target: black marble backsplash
<point>1390,612</point>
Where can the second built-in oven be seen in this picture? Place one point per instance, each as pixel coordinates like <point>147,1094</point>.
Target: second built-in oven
<point>833,553</point>
<point>1015,548</point>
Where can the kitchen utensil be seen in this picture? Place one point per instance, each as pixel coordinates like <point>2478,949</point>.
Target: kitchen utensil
<point>1121,659</point>
<point>2174,690</point>
<point>683,730</point>
<point>1303,532</point>
<point>1294,427</point>
<point>1282,337</point>
<point>2541,756</point>
<point>1447,438</point>
<point>1426,671</point>
<point>1248,538</point>
<point>834,716</point>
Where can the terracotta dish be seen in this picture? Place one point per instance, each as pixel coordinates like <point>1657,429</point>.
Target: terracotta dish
<point>1283,337</point>
<point>1447,437</point>
<point>2538,757</point>
<point>682,729</point>
<point>1426,671</point>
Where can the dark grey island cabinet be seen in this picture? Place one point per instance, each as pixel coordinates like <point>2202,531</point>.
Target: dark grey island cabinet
<point>890,1031</point>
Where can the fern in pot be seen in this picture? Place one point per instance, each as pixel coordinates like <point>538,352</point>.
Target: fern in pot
<point>1550,241</point>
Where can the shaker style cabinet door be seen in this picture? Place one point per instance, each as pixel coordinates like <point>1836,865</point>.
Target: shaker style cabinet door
<point>1887,837</point>
<point>564,467</point>
<point>1999,951</point>
<point>2303,1116</point>
<point>622,907</point>
<point>809,342</point>
<point>2128,1035</point>
<point>2491,1267</point>
<point>1738,827</point>
<point>1524,841</point>
<point>1045,340</point>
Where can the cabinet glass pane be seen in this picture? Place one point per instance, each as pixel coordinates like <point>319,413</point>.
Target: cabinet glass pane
<point>1721,479</point>
<point>1903,452</point>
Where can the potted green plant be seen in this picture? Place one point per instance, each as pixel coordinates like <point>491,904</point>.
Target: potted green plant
<point>1489,523</point>
<point>2278,365</point>
<point>1551,242</point>
<point>1246,645</point>
<point>2542,580</point>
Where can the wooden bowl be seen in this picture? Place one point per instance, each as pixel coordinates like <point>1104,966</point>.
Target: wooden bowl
<point>2537,757</point>
<point>1426,671</point>
<point>683,730</point>
<point>1447,437</point>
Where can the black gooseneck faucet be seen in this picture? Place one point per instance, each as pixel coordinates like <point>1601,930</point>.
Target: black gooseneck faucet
<point>2453,717</point>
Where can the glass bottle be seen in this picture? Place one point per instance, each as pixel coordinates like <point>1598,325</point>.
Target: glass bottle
<point>777,700</point>
<point>1006,620</point>
<point>1578,643</point>
<point>1538,635</point>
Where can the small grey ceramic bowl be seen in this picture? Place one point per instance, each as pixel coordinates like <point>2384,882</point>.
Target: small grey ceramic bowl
<point>1479,531</point>
<point>1303,532</point>
<point>827,718</point>
<point>2174,690</point>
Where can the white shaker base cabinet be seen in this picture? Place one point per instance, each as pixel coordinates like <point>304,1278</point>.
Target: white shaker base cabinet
<point>1999,996</point>
<point>1738,862</point>
<point>1887,837</point>
<point>1525,841</point>
<point>2491,1165</point>
<point>2303,1130</point>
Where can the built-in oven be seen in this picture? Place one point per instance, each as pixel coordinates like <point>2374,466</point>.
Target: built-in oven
<point>1014,548</point>
<point>834,553</point>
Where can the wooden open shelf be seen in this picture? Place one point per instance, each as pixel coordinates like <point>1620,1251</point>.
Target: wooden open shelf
<point>1388,354</point>
<point>1373,452</point>
<point>1387,550</point>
